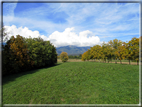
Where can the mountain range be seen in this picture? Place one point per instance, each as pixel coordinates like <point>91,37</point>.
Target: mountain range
<point>72,50</point>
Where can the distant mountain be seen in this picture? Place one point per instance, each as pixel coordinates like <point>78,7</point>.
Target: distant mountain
<point>72,50</point>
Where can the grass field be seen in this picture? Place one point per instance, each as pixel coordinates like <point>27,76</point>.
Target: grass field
<point>74,83</point>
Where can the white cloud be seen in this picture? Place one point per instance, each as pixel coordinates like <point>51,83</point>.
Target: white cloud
<point>67,37</point>
<point>25,32</point>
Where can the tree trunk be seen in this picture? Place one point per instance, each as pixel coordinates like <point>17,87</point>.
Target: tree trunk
<point>129,62</point>
<point>120,62</point>
<point>137,62</point>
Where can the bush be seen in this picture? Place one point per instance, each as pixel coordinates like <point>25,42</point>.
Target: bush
<point>64,56</point>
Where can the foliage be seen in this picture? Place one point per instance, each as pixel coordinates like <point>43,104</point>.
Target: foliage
<point>121,52</point>
<point>15,57</point>
<point>21,54</point>
<point>86,55</point>
<point>75,56</point>
<point>64,56</point>
<point>42,53</point>
<point>133,49</point>
<point>96,52</point>
<point>106,52</point>
<point>114,49</point>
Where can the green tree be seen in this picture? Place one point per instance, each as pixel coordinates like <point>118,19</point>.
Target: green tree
<point>64,56</point>
<point>80,55</point>
<point>41,52</point>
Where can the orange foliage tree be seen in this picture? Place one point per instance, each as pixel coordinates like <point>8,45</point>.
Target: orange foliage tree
<point>64,56</point>
<point>86,55</point>
<point>16,53</point>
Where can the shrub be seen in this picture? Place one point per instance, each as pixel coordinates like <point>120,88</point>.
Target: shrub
<point>64,56</point>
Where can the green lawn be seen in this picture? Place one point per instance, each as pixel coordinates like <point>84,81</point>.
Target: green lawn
<point>74,83</point>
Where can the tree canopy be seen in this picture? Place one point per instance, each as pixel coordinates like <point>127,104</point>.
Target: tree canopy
<point>22,54</point>
<point>114,49</point>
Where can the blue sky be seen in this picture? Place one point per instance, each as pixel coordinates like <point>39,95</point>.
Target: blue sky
<point>81,24</point>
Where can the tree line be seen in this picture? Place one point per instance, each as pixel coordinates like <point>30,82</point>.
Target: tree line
<point>22,54</point>
<point>114,49</point>
<point>72,56</point>
<point>75,56</point>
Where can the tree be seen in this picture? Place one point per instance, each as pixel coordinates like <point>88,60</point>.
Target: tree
<point>96,52</point>
<point>22,54</point>
<point>86,55</point>
<point>106,51</point>
<point>64,56</point>
<point>133,49</point>
<point>80,55</point>
<point>115,44</point>
<point>41,52</point>
<point>15,53</point>
<point>121,53</point>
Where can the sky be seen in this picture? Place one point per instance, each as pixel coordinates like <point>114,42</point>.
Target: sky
<point>80,24</point>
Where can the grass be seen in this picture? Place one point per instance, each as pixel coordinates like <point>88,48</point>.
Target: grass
<point>74,83</point>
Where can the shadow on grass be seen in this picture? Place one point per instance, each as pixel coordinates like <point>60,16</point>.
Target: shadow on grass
<point>8,78</point>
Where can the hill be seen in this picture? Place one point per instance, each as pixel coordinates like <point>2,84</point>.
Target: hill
<point>72,50</point>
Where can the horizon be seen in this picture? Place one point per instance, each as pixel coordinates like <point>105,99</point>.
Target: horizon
<point>79,24</point>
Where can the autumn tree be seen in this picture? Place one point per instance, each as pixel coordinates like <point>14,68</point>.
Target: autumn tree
<point>133,49</point>
<point>106,51</point>
<point>121,53</point>
<point>86,55</point>
<point>22,54</point>
<point>15,53</point>
<point>114,49</point>
<point>64,56</point>
<point>96,52</point>
<point>115,44</point>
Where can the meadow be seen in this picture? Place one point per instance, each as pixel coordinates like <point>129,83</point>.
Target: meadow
<point>74,83</point>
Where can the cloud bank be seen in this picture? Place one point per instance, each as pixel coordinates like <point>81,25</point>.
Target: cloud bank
<point>25,32</point>
<point>67,37</point>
